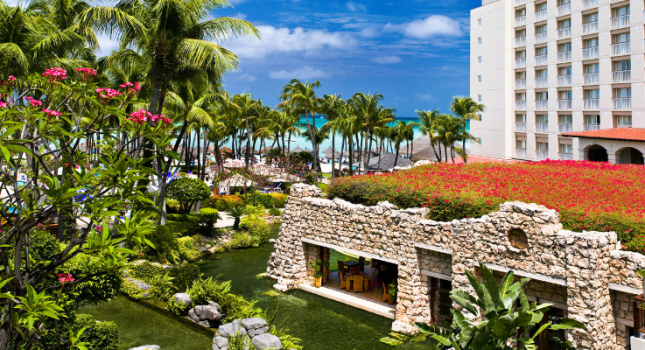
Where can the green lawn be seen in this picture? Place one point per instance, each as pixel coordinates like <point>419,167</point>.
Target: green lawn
<point>336,256</point>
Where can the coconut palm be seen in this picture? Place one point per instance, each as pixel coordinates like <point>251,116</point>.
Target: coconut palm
<point>467,109</point>
<point>366,107</point>
<point>428,122</point>
<point>248,108</point>
<point>450,131</point>
<point>332,108</point>
<point>302,98</point>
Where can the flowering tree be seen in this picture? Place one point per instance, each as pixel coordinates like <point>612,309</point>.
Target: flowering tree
<point>47,176</point>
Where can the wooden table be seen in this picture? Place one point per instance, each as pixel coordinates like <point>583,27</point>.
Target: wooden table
<point>350,278</point>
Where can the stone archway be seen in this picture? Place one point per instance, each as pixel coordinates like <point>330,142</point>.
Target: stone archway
<point>629,155</point>
<point>597,153</point>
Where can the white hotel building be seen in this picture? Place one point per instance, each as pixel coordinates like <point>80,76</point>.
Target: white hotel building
<point>560,79</point>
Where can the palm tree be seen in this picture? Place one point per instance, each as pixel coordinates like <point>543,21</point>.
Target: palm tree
<point>248,108</point>
<point>174,33</point>
<point>466,108</point>
<point>449,131</point>
<point>302,98</point>
<point>366,107</point>
<point>398,135</point>
<point>429,121</point>
<point>332,108</point>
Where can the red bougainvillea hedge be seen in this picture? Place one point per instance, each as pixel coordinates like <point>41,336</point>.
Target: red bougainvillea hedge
<point>589,196</point>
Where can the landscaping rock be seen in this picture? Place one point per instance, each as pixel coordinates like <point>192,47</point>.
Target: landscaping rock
<point>147,347</point>
<point>141,285</point>
<point>206,315</point>
<point>231,329</point>
<point>266,341</point>
<point>255,326</point>
<point>220,343</point>
<point>183,298</point>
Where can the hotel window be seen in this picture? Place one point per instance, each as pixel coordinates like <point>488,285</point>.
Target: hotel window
<point>541,96</point>
<point>592,119</point>
<point>541,51</point>
<point>520,33</point>
<point>542,73</point>
<point>520,97</point>
<point>591,68</point>
<point>622,65</point>
<point>479,97</point>
<point>479,20</point>
<point>519,144</point>
<point>542,146</point>
<point>590,18</point>
<point>563,2</point>
<point>540,29</point>
<point>479,59</point>
<point>591,94</point>
<point>623,121</point>
<point>520,13</point>
<point>540,7</point>
<point>479,40</point>
<point>566,149</point>
<point>565,95</point>
<point>565,119</point>
<point>621,38</point>
<point>542,118</point>
<point>479,78</point>
<point>520,118</point>
<point>520,54</point>
<point>623,93</point>
<point>621,11</point>
<point>590,43</point>
<point>566,47</point>
<point>564,71</point>
<point>564,24</point>
<point>520,75</point>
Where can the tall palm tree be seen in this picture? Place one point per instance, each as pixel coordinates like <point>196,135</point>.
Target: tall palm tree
<point>467,109</point>
<point>428,123</point>
<point>366,107</point>
<point>332,108</point>
<point>449,131</point>
<point>248,108</point>
<point>302,97</point>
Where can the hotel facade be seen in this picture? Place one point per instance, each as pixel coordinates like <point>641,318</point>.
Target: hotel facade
<point>560,79</point>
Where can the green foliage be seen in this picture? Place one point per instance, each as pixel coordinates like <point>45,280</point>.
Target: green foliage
<point>207,219</point>
<point>166,245</point>
<point>392,291</point>
<point>281,331</point>
<point>504,320</point>
<point>145,271</point>
<point>189,248</point>
<point>131,290</point>
<point>275,212</point>
<point>162,286</point>
<point>233,305</point>
<point>44,246</point>
<point>188,191</point>
<point>317,266</point>
<point>176,308</point>
<point>99,335</point>
<point>99,288</point>
<point>240,341</point>
<point>237,212</point>
<point>184,275</point>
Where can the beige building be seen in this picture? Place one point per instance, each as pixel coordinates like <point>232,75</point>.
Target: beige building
<point>554,74</point>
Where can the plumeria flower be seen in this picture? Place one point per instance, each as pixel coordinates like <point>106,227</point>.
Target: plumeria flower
<point>140,117</point>
<point>3,105</point>
<point>51,114</point>
<point>106,94</point>
<point>55,74</point>
<point>33,102</point>
<point>65,278</point>
<point>87,74</point>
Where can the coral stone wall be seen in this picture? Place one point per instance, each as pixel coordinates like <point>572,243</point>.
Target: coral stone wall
<point>579,271</point>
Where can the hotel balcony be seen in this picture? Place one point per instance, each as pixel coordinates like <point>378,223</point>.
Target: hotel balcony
<point>619,76</point>
<point>564,9</point>
<point>565,156</point>
<point>564,80</point>
<point>520,63</point>
<point>541,82</point>
<point>520,21</point>
<point>564,33</point>
<point>591,78</point>
<point>591,127</point>
<point>620,21</point>
<point>587,4</point>
<point>621,125</point>
<point>521,41</point>
<point>541,38</point>
<point>542,155</point>
<point>620,49</point>
<point>541,127</point>
<point>591,103</point>
<point>590,52</point>
<point>541,60</point>
<point>622,103</point>
<point>540,15</point>
<point>564,56</point>
<point>520,84</point>
<point>520,126</point>
<point>520,105</point>
<point>541,105</point>
<point>565,104</point>
<point>520,2</point>
<point>590,28</point>
<point>520,153</point>
<point>562,128</point>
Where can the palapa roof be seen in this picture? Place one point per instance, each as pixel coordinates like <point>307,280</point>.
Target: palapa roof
<point>386,163</point>
<point>328,153</point>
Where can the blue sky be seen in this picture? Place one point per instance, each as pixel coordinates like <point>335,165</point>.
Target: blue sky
<point>414,52</point>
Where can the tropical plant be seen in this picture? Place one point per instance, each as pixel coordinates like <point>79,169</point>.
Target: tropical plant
<point>318,268</point>
<point>188,192</point>
<point>504,321</point>
<point>237,212</point>
<point>467,109</point>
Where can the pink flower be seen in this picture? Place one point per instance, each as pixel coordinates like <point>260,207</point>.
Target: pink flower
<point>132,89</point>
<point>33,102</point>
<point>51,114</point>
<point>99,228</point>
<point>39,224</point>
<point>65,278</point>
<point>86,73</point>
<point>55,74</point>
<point>106,94</point>
<point>3,105</point>
<point>141,116</point>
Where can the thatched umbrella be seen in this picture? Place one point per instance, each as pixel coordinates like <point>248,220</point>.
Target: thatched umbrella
<point>386,162</point>
<point>329,151</point>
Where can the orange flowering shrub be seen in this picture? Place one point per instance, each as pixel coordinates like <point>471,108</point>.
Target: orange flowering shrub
<point>280,199</point>
<point>589,196</point>
<point>223,203</point>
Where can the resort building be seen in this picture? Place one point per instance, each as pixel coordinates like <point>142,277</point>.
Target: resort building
<point>585,276</point>
<point>560,79</point>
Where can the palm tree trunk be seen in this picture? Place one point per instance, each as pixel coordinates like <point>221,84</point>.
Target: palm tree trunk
<point>351,157</point>
<point>396,159</point>
<point>434,149</point>
<point>342,148</point>
<point>333,153</point>
<point>248,139</point>
<point>379,156</point>
<point>366,157</point>
<point>464,147</point>
<point>312,137</point>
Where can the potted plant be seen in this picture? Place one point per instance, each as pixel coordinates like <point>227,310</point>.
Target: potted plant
<point>392,292</point>
<point>317,266</point>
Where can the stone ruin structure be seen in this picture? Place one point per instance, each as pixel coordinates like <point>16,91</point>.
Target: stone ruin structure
<point>585,275</point>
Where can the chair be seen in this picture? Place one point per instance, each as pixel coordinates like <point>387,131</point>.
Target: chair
<point>356,270</point>
<point>361,261</point>
<point>343,282</point>
<point>358,283</point>
<point>386,295</point>
<point>341,266</point>
<point>370,280</point>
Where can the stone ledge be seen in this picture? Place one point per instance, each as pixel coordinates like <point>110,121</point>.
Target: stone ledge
<point>363,304</point>
<point>349,250</point>
<point>625,289</point>
<point>436,275</point>
<point>433,248</point>
<point>533,276</point>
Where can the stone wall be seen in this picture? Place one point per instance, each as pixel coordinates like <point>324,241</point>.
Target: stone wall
<point>572,269</point>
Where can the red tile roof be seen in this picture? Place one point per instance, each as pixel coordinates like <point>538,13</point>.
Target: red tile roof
<point>621,134</point>
<point>480,159</point>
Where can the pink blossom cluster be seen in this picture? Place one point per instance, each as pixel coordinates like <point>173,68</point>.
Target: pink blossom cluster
<point>86,73</point>
<point>3,105</point>
<point>106,94</point>
<point>51,114</point>
<point>10,81</point>
<point>132,89</point>
<point>65,278</point>
<point>33,102</point>
<point>55,74</point>
<point>140,117</point>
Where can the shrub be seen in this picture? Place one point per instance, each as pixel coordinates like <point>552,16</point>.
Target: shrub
<point>162,286</point>
<point>145,271</point>
<point>207,219</point>
<point>44,245</point>
<point>166,244</point>
<point>258,229</point>
<point>233,306</point>
<point>589,196</point>
<point>188,192</point>
<point>275,212</point>
<point>224,203</point>
<point>184,276</point>
<point>176,308</point>
<point>189,248</point>
<point>131,290</point>
<point>99,288</point>
<point>279,199</point>
<point>100,335</point>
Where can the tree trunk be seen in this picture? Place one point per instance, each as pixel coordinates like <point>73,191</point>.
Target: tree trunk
<point>396,159</point>
<point>366,157</point>
<point>314,145</point>
<point>464,147</point>
<point>379,156</point>
<point>351,156</point>
<point>248,139</point>
<point>342,148</point>
<point>333,153</point>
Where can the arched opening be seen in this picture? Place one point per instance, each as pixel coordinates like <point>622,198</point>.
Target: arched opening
<point>597,153</point>
<point>629,155</point>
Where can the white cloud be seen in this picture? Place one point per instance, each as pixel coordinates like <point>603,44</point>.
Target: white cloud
<point>434,25</point>
<point>106,45</point>
<point>354,7</point>
<point>283,40</point>
<point>12,3</point>
<point>247,77</point>
<point>300,73</point>
<point>386,59</point>
<point>235,2</point>
<point>370,32</point>
<point>239,15</point>
<point>424,97</point>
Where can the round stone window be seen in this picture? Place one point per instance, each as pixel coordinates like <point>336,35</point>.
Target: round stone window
<point>518,239</point>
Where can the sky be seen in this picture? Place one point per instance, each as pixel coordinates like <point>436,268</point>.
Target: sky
<point>413,52</point>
